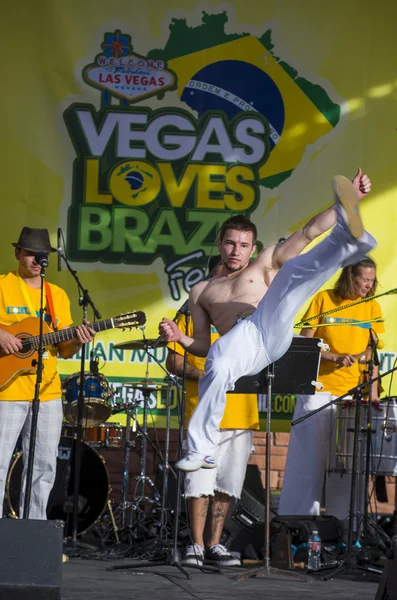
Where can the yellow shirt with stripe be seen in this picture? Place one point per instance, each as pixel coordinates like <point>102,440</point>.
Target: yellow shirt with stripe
<point>241,410</point>
<point>344,337</point>
<point>13,308</point>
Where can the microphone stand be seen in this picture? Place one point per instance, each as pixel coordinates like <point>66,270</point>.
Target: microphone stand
<point>43,262</point>
<point>370,371</point>
<point>84,301</point>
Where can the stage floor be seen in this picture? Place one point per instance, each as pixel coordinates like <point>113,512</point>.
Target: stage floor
<point>90,579</point>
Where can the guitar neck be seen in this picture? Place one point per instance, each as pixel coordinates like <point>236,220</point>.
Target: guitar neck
<point>50,339</point>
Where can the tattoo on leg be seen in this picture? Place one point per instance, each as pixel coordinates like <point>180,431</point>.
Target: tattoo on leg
<point>219,507</point>
<point>204,509</point>
<point>217,511</point>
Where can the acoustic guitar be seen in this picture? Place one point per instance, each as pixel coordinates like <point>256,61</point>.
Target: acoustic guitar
<point>27,330</point>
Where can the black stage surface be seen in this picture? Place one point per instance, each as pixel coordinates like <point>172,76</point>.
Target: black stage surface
<point>90,579</point>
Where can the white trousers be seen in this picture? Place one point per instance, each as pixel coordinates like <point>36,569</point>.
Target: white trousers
<point>312,452</point>
<point>16,419</point>
<point>307,457</point>
<point>228,477</point>
<point>266,335</point>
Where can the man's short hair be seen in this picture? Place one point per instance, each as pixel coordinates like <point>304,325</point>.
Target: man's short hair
<point>239,223</point>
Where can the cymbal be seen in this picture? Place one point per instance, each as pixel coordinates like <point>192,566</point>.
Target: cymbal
<point>139,344</point>
<point>145,383</point>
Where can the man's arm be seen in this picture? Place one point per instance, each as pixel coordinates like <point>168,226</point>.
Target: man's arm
<point>174,364</point>
<point>201,342</point>
<point>318,225</point>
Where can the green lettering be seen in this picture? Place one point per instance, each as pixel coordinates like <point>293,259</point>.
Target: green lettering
<point>166,231</point>
<point>94,228</point>
<point>128,225</point>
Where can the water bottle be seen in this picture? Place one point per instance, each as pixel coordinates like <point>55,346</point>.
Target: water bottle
<point>314,551</point>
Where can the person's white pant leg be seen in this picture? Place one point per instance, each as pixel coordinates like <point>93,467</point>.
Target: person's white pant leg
<point>307,457</point>
<point>45,459</point>
<point>299,279</point>
<point>240,352</point>
<point>12,418</point>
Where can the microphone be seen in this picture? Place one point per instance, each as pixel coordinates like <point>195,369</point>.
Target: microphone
<point>41,258</point>
<point>59,249</point>
<point>374,344</point>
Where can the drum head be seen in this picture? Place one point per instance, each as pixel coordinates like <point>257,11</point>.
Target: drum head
<point>93,491</point>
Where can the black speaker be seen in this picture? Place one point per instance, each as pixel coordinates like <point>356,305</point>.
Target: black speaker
<point>244,529</point>
<point>387,589</point>
<point>31,559</point>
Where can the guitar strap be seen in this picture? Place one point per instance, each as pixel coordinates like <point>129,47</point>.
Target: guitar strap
<point>47,300</point>
<point>26,295</point>
<point>50,306</point>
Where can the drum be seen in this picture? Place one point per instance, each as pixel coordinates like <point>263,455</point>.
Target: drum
<point>383,460</point>
<point>93,492</point>
<point>107,435</point>
<point>97,398</point>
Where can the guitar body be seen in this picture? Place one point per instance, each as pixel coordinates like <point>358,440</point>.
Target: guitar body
<point>13,365</point>
<point>27,330</point>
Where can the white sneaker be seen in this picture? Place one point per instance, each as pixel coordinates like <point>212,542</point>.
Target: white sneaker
<point>221,557</point>
<point>194,555</point>
<point>347,199</point>
<point>193,462</point>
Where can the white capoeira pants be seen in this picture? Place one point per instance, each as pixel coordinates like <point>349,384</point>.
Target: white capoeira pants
<point>16,419</point>
<point>311,458</point>
<point>262,338</point>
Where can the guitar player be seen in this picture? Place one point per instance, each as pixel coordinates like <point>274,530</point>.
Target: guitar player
<point>20,299</point>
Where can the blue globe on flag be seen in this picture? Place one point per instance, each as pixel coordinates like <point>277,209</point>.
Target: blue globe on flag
<point>233,86</point>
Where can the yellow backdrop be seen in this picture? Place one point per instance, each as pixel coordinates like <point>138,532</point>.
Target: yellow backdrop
<point>138,128</point>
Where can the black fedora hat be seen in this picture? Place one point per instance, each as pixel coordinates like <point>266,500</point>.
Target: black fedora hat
<point>34,240</point>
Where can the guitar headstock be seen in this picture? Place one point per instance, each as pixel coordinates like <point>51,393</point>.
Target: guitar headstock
<point>129,320</point>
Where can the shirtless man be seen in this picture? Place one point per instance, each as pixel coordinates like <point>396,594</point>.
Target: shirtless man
<point>256,321</point>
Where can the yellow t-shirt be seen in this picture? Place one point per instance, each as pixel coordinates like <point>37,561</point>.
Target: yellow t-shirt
<point>13,308</point>
<point>342,339</point>
<point>241,410</point>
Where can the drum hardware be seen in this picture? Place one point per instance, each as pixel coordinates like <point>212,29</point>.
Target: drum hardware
<point>144,507</point>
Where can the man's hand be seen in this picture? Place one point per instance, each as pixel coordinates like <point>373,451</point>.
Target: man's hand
<point>85,334</point>
<point>9,344</point>
<point>169,331</point>
<point>362,184</point>
<point>345,360</point>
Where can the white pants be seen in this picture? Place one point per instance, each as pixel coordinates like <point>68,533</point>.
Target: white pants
<point>16,418</point>
<point>228,477</point>
<point>312,451</point>
<point>266,335</point>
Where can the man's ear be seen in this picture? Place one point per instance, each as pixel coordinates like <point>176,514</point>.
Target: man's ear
<point>253,250</point>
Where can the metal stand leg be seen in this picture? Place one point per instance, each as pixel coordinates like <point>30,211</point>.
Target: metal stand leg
<point>267,570</point>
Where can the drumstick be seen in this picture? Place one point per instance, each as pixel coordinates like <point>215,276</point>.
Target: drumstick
<point>356,356</point>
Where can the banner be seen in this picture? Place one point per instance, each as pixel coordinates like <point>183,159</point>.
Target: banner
<point>139,131</point>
